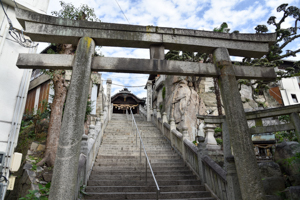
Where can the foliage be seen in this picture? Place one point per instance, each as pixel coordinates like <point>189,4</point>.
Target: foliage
<point>195,142</point>
<point>164,92</point>
<point>294,160</point>
<point>222,29</point>
<point>89,109</point>
<point>219,141</point>
<point>30,195</point>
<point>284,37</point>
<point>284,118</point>
<point>68,11</point>
<point>281,136</point>
<point>218,129</point>
<point>82,190</point>
<point>43,190</point>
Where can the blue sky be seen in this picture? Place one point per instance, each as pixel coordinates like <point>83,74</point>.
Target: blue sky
<point>240,15</point>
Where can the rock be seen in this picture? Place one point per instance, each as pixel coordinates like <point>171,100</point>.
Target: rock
<point>41,147</point>
<point>47,176</point>
<point>246,92</point>
<point>272,197</point>
<point>43,182</point>
<point>29,153</point>
<point>294,192</point>
<point>273,185</point>
<point>272,177</point>
<point>269,169</point>
<point>34,146</point>
<point>284,151</point>
<point>39,169</point>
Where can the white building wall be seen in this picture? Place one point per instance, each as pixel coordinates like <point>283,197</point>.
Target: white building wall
<point>12,79</point>
<point>94,98</point>
<point>290,88</point>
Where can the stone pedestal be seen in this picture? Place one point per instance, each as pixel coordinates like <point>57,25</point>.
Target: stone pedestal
<point>211,143</point>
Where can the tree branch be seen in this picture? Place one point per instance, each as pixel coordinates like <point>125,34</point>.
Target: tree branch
<point>278,25</point>
<point>288,54</point>
<point>287,42</point>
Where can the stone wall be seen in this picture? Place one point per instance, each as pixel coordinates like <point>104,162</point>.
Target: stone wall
<point>187,96</point>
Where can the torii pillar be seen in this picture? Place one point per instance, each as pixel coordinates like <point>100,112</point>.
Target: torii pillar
<point>64,179</point>
<point>240,138</point>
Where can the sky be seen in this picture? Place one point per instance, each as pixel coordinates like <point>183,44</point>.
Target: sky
<point>241,15</point>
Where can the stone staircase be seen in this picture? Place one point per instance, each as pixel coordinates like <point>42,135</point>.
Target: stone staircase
<point>119,174</point>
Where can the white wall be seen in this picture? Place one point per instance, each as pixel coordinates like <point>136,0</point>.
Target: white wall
<point>94,98</point>
<point>12,79</point>
<point>289,87</point>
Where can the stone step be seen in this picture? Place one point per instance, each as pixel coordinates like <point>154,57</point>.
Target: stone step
<point>140,177</point>
<point>139,183</point>
<point>148,195</point>
<point>137,153</point>
<point>138,168</point>
<point>137,160</point>
<point>171,188</point>
<point>173,156</point>
<point>133,148</point>
<point>187,172</point>
<point>132,151</point>
<point>138,164</point>
<point>118,173</point>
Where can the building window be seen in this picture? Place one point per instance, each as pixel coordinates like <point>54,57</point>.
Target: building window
<point>294,97</point>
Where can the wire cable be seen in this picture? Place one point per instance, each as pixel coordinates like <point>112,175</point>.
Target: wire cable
<point>128,86</point>
<point>122,11</point>
<point>9,21</point>
<point>16,35</point>
<point>15,3</point>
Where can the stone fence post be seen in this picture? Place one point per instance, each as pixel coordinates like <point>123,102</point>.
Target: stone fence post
<point>108,93</point>
<point>149,99</point>
<point>200,153</point>
<point>84,144</point>
<point>185,135</point>
<point>172,126</point>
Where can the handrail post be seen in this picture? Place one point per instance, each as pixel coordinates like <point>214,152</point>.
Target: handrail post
<point>146,169</point>
<point>140,151</point>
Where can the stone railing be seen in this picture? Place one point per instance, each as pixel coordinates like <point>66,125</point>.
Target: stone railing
<point>196,158</point>
<point>89,148</point>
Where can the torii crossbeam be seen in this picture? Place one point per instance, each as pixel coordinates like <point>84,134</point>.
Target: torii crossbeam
<point>43,28</point>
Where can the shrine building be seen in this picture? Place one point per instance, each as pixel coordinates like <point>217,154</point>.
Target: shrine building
<point>124,100</point>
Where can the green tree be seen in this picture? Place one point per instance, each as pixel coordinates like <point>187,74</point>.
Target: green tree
<point>58,78</point>
<point>273,58</point>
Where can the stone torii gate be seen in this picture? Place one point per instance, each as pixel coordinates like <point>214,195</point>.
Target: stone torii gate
<point>43,28</point>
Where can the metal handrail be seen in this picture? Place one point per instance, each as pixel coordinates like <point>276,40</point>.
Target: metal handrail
<point>147,159</point>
